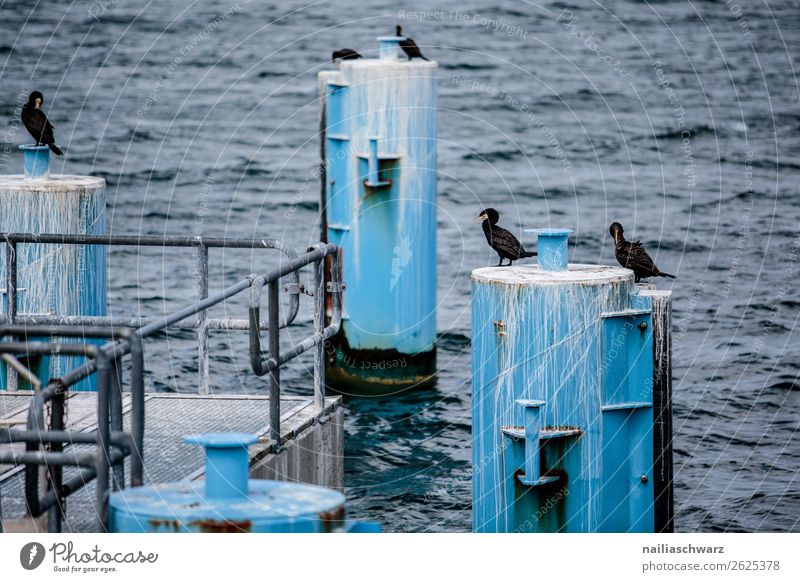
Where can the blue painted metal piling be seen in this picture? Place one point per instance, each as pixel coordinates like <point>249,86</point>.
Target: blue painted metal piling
<point>228,502</point>
<point>51,279</point>
<point>562,397</point>
<point>379,206</point>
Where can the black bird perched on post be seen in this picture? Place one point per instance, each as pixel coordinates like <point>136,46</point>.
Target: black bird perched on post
<point>632,255</point>
<point>502,241</point>
<point>35,121</point>
<point>345,54</point>
<point>409,46</point>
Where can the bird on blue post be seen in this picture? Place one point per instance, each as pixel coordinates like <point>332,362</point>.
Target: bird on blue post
<point>51,280</point>
<point>562,399</point>
<point>37,124</point>
<point>379,201</point>
<point>502,241</point>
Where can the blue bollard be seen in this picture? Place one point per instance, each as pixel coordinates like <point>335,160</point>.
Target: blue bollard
<point>380,208</point>
<point>562,397</point>
<point>36,162</point>
<point>388,47</point>
<point>229,502</point>
<point>552,248</point>
<point>227,463</point>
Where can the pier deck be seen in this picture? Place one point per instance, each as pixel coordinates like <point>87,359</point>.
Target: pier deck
<point>168,419</point>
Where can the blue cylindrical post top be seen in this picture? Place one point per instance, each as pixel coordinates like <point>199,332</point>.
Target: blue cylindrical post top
<point>227,462</point>
<point>388,46</point>
<point>552,248</point>
<point>36,162</point>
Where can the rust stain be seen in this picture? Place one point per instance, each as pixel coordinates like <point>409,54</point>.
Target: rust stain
<point>166,524</point>
<point>204,525</point>
<point>563,427</point>
<point>332,520</point>
<point>222,526</point>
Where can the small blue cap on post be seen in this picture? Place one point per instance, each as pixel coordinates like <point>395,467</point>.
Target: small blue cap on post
<point>36,161</point>
<point>388,46</point>
<point>552,248</point>
<point>227,462</point>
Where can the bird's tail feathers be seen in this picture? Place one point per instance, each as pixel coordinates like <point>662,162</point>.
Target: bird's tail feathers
<point>55,149</point>
<point>424,58</point>
<point>530,254</point>
<point>667,275</point>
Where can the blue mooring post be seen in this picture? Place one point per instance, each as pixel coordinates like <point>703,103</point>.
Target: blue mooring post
<point>228,501</point>
<point>52,279</point>
<point>552,248</point>
<point>36,162</point>
<point>227,463</point>
<point>562,397</point>
<point>379,205</point>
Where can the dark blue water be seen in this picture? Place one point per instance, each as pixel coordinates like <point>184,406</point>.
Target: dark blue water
<point>678,119</point>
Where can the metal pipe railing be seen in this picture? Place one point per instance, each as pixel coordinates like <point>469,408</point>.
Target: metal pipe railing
<point>8,435</point>
<point>112,444</point>
<point>203,323</point>
<point>227,324</point>
<point>261,367</point>
<point>109,403</point>
<point>36,416</point>
<point>11,300</point>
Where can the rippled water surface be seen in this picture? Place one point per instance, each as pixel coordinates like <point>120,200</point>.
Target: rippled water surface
<point>678,119</point>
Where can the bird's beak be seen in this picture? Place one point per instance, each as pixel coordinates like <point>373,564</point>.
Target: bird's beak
<point>481,217</point>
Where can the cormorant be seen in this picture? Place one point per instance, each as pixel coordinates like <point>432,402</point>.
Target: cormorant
<point>345,54</point>
<point>36,122</point>
<point>409,46</point>
<point>632,255</point>
<point>502,241</point>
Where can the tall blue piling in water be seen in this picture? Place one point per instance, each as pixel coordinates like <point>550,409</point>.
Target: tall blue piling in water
<point>562,397</point>
<point>379,206</point>
<point>52,279</point>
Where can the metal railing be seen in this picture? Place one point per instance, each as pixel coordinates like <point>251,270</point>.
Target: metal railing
<point>202,324</point>
<point>126,335</point>
<point>112,444</point>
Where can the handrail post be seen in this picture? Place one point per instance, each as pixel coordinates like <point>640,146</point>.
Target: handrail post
<point>137,410</point>
<point>115,405</point>
<point>103,437</point>
<point>319,328</point>
<point>12,378</point>
<point>273,294</point>
<point>202,325</point>
<point>58,511</point>
<point>11,280</point>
